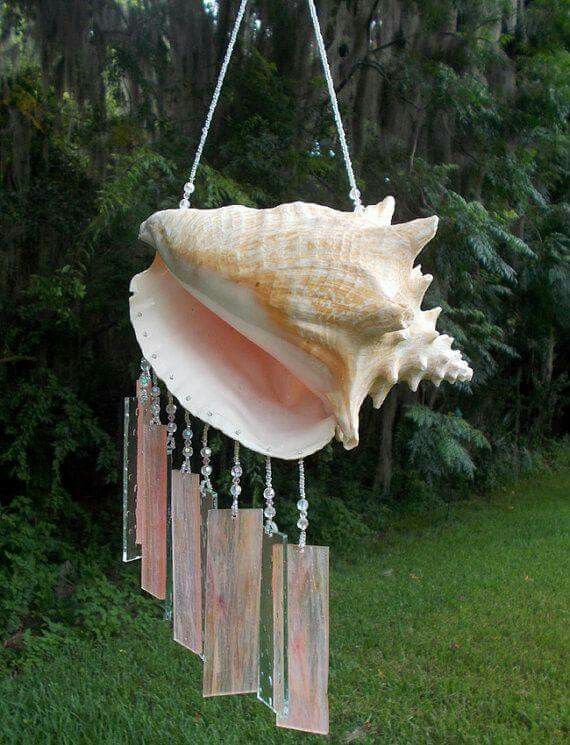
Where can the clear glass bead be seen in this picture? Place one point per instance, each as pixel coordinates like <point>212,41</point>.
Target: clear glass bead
<point>187,434</point>
<point>206,470</point>
<point>235,490</point>
<point>189,188</point>
<point>302,505</point>
<point>145,365</point>
<point>269,511</point>
<point>206,452</point>
<point>171,427</point>
<point>184,204</point>
<point>354,194</point>
<point>170,409</point>
<point>269,492</point>
<point>155,390</point>
<point>302,523</point>
<point>187,450</point>
<point>155,408</point>
<point>236,471</point>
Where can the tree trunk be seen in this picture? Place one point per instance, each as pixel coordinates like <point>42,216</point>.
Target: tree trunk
<point>383,475</point>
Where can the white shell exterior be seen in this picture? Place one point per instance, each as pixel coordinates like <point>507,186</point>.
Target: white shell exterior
<point>273,325</point>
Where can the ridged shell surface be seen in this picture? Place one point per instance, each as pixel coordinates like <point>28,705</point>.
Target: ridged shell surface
<point>275,324</point>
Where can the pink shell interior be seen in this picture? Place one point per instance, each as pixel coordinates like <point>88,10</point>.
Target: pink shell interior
<point>221,376</point>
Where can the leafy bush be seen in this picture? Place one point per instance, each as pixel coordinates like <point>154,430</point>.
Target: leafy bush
<point>439,444</point>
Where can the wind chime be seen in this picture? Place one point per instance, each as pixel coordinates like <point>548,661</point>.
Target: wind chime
<point>271,326</point>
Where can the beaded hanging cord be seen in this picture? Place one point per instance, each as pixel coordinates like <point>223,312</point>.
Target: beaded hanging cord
<point>189,186</point>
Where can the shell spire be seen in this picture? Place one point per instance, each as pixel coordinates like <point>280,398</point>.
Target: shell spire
<point>275,324</point>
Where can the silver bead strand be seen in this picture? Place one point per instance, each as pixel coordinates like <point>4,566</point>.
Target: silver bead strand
<point>268,495</point>
<point>206,470</point>
<point>171,427</point>
<point>302,506</point>
<point>155,405</point>
<point>144,381</point>
<point>235,488</point>
<point>187,450</point>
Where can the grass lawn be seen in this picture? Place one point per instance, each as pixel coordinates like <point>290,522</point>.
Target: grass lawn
<point>451,632</point>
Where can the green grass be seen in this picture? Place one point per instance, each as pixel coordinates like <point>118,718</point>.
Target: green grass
<point>451,632</point>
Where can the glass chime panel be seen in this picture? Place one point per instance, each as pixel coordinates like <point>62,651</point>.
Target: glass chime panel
<point>233,580</point>
<point>168,602</point>
<point>153,565</point>
<point>307,639</point>
<point>187,560</point>
<point>208,501</point>
<point>273,679</point>
<point>143,421</point>
<point>131,550</point>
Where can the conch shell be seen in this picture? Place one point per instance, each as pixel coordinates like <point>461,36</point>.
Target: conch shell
<point>274,324</point>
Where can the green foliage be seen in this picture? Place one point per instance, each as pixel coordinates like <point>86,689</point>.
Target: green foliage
<point>439,443</point>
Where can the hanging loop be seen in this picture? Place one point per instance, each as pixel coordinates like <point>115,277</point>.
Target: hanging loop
<point>189,185</point>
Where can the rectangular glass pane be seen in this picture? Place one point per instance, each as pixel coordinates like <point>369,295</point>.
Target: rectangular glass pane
<point>153,564</point>
<point>143,420</point>
<point>307,639</point>
<point>168,601</point>
<point>187,560</point>
<point>273,679</point>
<point>233,580</point>
<point>131,550</point>
<point>208,501</point>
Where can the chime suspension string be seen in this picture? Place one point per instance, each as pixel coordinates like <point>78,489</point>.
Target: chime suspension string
<point>302,506</point>
<point>144,381</point>
<point>354,192</point>
<point>187,450</point>
<point>155,405</point>
<point>235,488</point>
<point>269,494</point>
<point>206,470</point>
<point>189,185</point>
<point>171,427</point>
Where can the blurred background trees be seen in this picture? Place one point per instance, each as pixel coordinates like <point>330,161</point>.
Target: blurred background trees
<point>456,107</point>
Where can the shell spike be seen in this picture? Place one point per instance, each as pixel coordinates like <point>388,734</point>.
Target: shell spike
<point>418,233</point>
<point>414,381</point>
<point>432,315</point>
<point>379,392</point>
<point>382,212</point>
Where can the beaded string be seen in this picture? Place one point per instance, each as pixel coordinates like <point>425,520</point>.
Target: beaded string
<point>269,494</point>
<point>302,506</point>
<point>235,488</point>
<point>189,185</point>
<point>171,427</point>
<point>187,450</point>
<point>206,470</point>
<point>354,192</point>
<point>155,405</point>
<point>144,381</point>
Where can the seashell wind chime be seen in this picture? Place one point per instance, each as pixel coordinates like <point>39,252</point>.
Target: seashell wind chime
<point>272,326</point>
